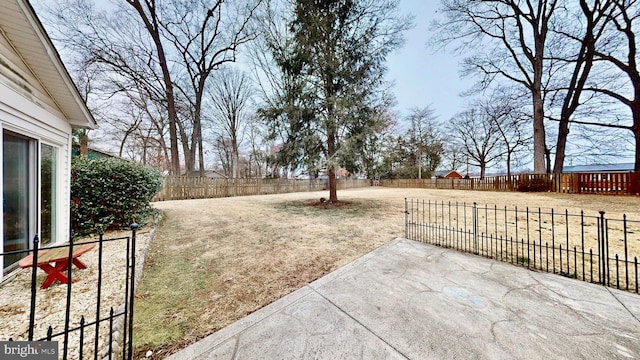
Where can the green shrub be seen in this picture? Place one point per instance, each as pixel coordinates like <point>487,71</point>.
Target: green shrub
<point>110,193</point>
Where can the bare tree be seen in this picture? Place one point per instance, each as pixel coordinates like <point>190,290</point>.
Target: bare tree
<point>423,135</point>
<point>622,53</point>
<point>577,63</point>
<point>85,81</point>
<point>504,109</point>
<point>509,39</point>
<point>224,154</point>
<point>166,49</point>
<point>206,34</point>
<point>453,156</point>
<point>476,132</point>
<point>125,45</point>
<point>148,14</point>
<point>257,156</point>
<point>230,94</point>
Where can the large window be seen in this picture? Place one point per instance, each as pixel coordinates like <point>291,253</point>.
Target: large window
<point>17,192</point>
<point>20,208</point>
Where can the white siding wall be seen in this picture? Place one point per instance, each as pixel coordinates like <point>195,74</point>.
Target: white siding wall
<point>18,114</point>
<point>16,75</point>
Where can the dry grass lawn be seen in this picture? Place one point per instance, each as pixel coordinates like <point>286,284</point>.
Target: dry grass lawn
<point>215,261</point>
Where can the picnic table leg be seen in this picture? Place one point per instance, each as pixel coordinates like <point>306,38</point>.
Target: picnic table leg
<point>55,273</point>
<point>79,264</point>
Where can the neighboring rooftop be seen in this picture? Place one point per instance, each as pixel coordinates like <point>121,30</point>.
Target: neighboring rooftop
<point>622,167</point>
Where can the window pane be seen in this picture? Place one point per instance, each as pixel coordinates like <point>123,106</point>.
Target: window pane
<point>48,187</point>
<point>15,201</point>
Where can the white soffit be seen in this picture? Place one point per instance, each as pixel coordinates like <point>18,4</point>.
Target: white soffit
<point>22,28</point>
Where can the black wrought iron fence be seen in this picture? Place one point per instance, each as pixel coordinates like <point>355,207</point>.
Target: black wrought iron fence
<point>102,327</point>
<point>591,248</point>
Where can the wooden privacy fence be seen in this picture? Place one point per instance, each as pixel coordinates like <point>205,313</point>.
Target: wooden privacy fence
<point>181,188</point>
<point>571,183</point>
<point>599,183</point>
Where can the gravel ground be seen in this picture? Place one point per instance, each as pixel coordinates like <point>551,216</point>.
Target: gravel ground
<point>15,296</point>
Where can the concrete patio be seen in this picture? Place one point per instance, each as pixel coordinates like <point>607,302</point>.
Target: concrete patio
<point>408,300</point>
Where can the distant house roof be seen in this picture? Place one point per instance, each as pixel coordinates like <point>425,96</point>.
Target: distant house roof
<point>622,167</point>
<point>23,29</point>
<point>453,174</point>
<point>447,174</point>
<point>93,153</point>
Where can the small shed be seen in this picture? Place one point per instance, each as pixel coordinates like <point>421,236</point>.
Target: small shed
<point>453,175</point>
<point>447,174</point>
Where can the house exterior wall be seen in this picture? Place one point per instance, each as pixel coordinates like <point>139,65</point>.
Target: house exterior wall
<point>27,111</point>
<point>16,75</point>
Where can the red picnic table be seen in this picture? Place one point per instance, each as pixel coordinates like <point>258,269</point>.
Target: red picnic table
<point>60,259</point>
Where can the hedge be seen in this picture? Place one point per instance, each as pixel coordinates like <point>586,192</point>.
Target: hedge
<point>110,193</point>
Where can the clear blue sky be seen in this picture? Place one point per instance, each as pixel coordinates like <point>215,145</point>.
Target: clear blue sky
<point>421,76</point>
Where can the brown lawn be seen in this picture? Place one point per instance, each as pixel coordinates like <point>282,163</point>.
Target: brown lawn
<point>215,261</point>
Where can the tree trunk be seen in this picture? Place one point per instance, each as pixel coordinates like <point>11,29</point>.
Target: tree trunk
<point>145,142</point>
<point>234,165</point>
<point>187,158</point>
<point>193,148</point>
<point>547,154</point>
<point>539,144</point>
<point>635,110</point>
<point>197,127</point>
<point>190,162</point>
<point>561,144</point>
<point>163,144</point>
<point>581,71</point>
<point>83,139</point>
<point>171,103</point>
<point>173,133</point>
<point>333,192</point>
<point>200,153</point>
<point>539,138</point>
<point>152,27</point>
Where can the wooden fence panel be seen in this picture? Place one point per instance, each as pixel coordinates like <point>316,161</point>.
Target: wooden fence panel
<point>571,183</point>
<point>182,188</point>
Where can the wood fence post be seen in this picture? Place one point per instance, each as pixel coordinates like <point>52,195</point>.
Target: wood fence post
<point>634,183</point>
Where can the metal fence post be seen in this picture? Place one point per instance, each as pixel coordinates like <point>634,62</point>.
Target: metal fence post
<point>134,228</point>
<point>602,249</point>
<point>32,310</point>
<point>475,228</point>
<point>406,220</point>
